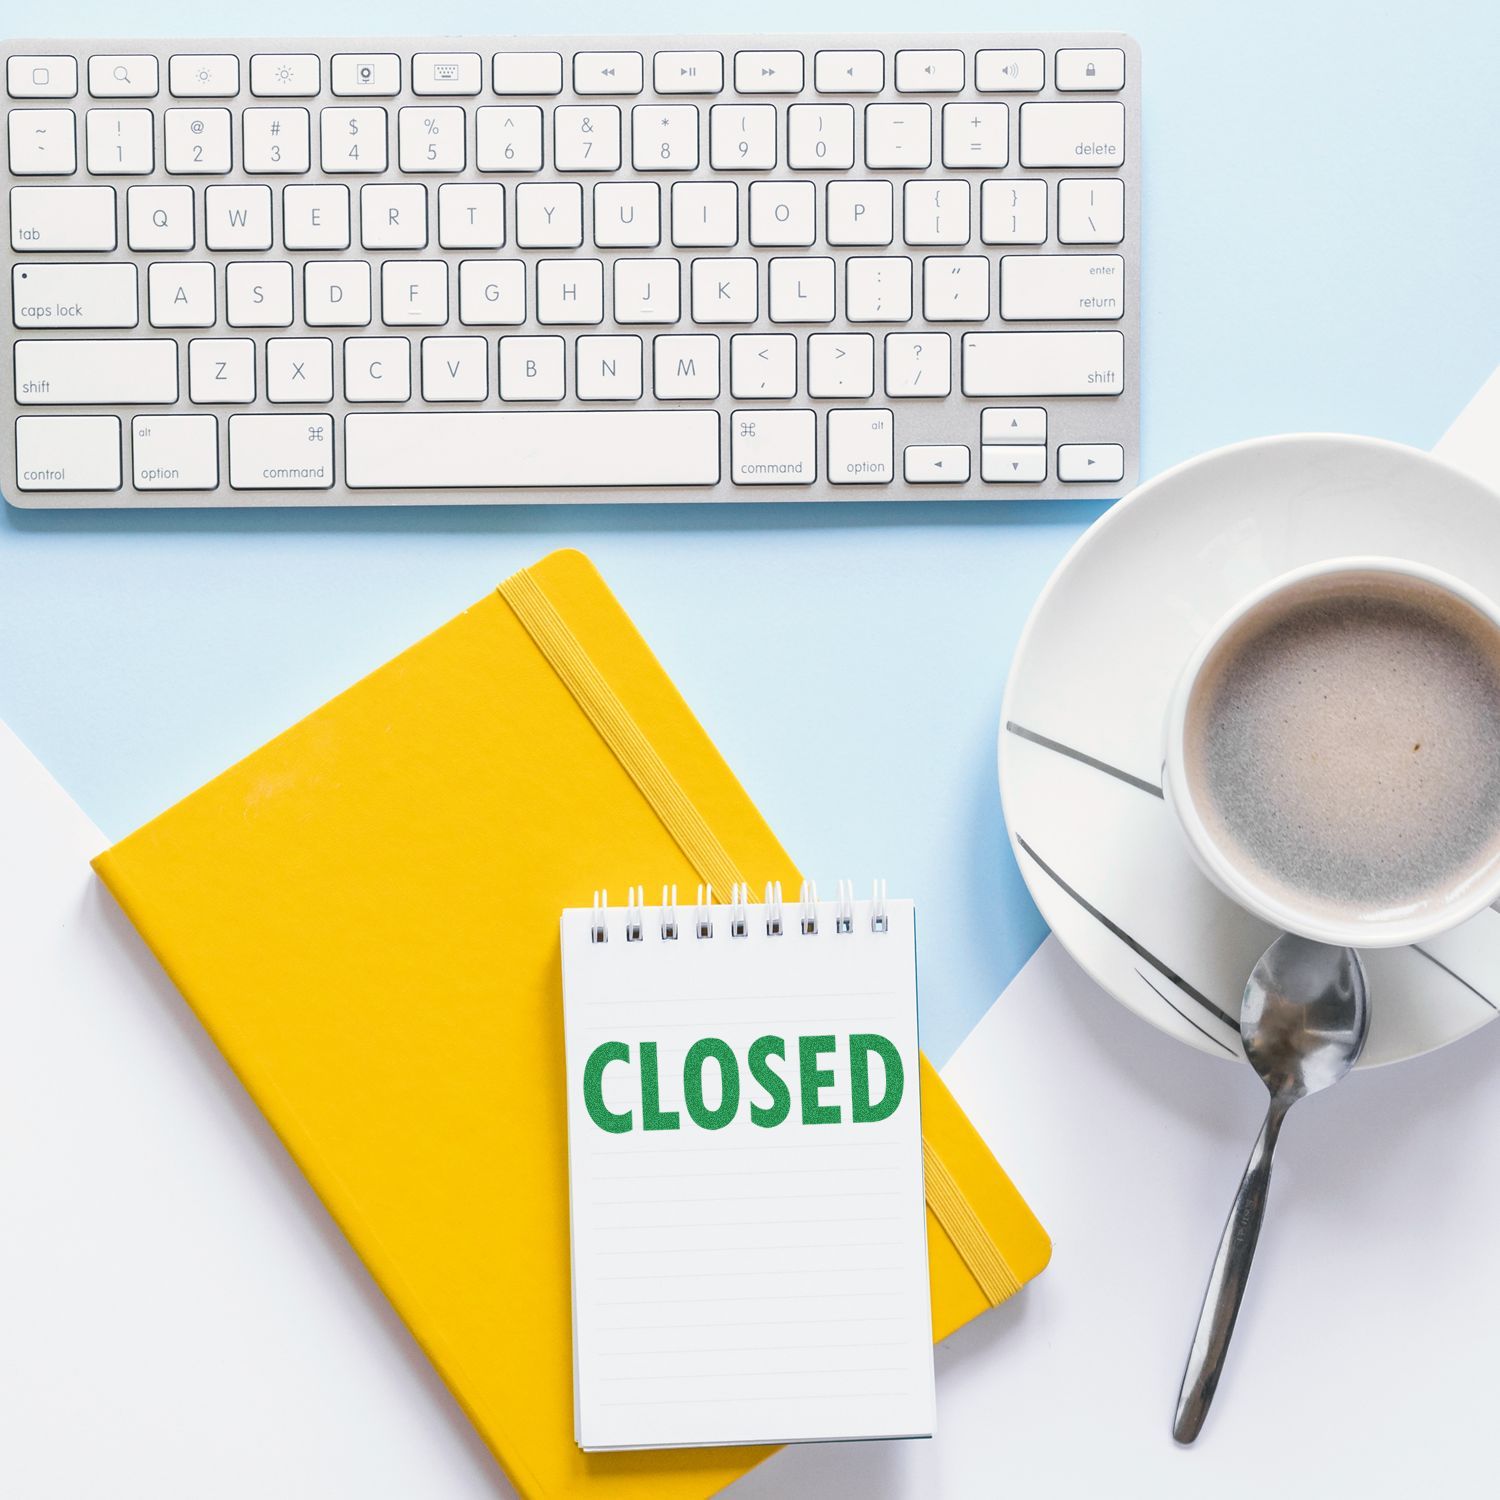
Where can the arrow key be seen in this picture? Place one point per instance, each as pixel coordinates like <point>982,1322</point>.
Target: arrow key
<point>1013,424</point>
<point>1009,465</point>
<point>934,464</point>
<point>849,72</point>
<point>1091,463</point>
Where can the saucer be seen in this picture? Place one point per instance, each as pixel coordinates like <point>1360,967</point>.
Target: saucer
<point>1082,724</point>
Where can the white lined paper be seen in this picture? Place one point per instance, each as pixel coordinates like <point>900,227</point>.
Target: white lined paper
<point>745,1283</point>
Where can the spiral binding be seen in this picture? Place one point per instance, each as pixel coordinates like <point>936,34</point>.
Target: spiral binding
<point>739,914</point>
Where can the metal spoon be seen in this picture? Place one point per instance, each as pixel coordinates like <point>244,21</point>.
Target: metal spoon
<point>1303,1022</point>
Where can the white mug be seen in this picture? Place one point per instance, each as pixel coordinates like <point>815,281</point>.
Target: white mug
<point>1227,867</point>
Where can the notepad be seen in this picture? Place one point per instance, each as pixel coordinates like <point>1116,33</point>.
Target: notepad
<point>745,1153</point>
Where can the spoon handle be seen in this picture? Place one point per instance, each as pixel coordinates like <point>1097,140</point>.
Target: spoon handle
<point>1226,1283</point>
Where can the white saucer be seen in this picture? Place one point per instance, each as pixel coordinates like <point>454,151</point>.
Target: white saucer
<point>1081,727</point>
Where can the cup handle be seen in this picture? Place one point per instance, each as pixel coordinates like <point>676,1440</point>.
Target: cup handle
<point>1470,443</point>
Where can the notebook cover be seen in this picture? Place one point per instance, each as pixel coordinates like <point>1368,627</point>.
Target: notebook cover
<point>363,914</point>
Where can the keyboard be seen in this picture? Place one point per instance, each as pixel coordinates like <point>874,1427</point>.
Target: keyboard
<point>531,269</point>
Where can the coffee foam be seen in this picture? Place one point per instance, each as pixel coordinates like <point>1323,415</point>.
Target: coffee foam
<point>1343,746</point>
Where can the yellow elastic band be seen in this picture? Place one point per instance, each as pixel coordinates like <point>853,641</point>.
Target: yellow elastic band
<point>964,1227</point>
<point>620,732</point>
<point>664,794</point>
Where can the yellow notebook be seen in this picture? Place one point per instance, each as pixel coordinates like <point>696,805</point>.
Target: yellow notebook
<point>364,915</point>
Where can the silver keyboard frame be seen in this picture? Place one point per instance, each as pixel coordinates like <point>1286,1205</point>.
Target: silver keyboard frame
<point>1071,419</point>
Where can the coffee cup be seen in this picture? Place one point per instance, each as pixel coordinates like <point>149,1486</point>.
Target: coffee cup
<point>1333,752</point>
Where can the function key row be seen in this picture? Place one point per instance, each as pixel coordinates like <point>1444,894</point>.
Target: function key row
<point>294,75</point>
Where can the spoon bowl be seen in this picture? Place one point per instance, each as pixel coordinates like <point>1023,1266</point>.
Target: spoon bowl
<point>1303,1022</point>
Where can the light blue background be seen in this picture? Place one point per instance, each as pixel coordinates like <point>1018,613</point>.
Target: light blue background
<point>1321,227</point>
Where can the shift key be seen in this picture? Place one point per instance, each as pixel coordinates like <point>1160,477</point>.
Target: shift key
<point>1044,364</point>
<point>281,452</point>
<point>96,372</point>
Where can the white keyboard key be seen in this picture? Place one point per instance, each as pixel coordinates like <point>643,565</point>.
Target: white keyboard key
<point>609,367</point>
<point>820,137</point>
<point>1090,211</point>
<point>180,294</point>
<point>393,216</point>
<point>532,368</point>
<point>124,76</point>
<point>935,212</point>
<point>175,452</point>
<point>976,135</point>
<point>120,142</point>
<point>530,450</point>
<point>782,213</point>
<point>763,366</point>
<point>705,214</point>
<point>570,291</point>
<point>438,73</point>
<point>1009,70</point>
<point>926,72</point>
<point>647,291</point>
<point>802,288</point>
<point>528,73</point>
<point>768,72</point>
<point>1072,135</point>
<point>74,296</point>
<point>258,294</point>
<point>998,465</point>
<point>841,365</point>
<point>431,138</point>
<point>898,135</point>
<point>95,372</point>
<point>918,364</point>
<point>377,369</point>
<point>352,140</point>
<point>67,453</point>
<point>455,369</point>
<point>685,366</point>
<point>1089,70</point>
<point>46,77</point>
<point>197,141</point>
<point>627,214</point>
<point>586,138</point>
<point>859,213</point>
<point>956,288</point>
<point>1091,463</point>
<point>277,141</point>
<point>773,447</point>
<point>877,289</point>
<point>315,216</point>
<point>281,452</point>
<point>664,137</point>
<point>204,75</point>
<point>336,294</point>
<point>491,292</point>
<point>285,75</point>
<point>1013,424</point>
<point>414,293</point>
<point>1038,288</point>
<point>237,218</point>
<point>607,72</point>
<point>936,463</point>
<point>471,216</point>
<point>373,75</point>
<point>861,72</point>
<point>861,446</point>
<point>1013,212</point>
<point>549,215</point>
<point>1044,364</point>
<point>508,138</point>
<point>159,218</point>
<point>42,142</point>
<point>688,72</point>
<point>62,218</point>
<point>221,372</point>
<point>742,137</point>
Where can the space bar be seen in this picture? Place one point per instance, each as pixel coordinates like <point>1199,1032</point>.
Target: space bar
<point>531,450</point>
